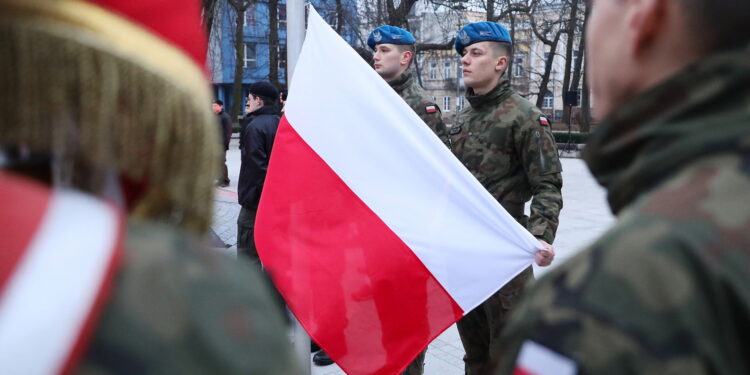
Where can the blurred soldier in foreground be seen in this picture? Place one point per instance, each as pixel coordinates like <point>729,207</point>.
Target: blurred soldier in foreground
<point>665,291</point>
<point>107,161</point>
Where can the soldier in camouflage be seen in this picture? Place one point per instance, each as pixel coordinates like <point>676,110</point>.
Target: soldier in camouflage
<point>665,291</point>
<point>507,145</point>
<point>394,52</point>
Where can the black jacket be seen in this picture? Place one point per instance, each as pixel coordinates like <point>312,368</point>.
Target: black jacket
<point>225,128</point>
<point>257,141</point>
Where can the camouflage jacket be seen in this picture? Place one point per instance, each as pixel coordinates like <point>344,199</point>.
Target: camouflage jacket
<point>428,111</point>
<point>507,145</point>
<point>666,290</point>
<point>180,308</point>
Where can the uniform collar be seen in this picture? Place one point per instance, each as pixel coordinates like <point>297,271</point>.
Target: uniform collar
<point>401,83</point>
<point>502,91</point>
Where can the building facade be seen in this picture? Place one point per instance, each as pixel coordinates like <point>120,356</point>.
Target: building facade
<point>258,44</point>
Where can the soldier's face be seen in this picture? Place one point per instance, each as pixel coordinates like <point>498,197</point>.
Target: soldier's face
<point>610,65</point>
<point>216,108</point>
<point>389,61</point>
<point>482,66</point>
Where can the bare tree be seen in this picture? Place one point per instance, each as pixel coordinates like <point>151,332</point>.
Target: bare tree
<point>273,42</point>
<point>208,12</point>
<point>542,26</point>
<point>240,7</point>
<point>571,32</point>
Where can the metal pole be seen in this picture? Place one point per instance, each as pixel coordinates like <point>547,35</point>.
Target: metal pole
<point>295,35</point>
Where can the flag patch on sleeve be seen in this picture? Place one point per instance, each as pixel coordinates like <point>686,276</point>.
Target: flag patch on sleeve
<point>430,109</point>
<point>536,359</point>
<point>543,121</point>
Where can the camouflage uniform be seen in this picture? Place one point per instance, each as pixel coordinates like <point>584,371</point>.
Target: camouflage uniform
<point>666,289</point>
<point>507,145</point>
<point>179,308</point>
<point>428,111</point>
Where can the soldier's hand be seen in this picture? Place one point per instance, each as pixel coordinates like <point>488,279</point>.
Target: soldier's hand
<point>544,257</point>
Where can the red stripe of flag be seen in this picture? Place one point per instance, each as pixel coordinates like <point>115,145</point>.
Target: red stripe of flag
<point>354,285</point>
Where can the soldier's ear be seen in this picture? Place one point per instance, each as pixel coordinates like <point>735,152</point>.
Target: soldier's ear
<point>502,64</point>
<point>406,57</point>
<point>645,22</point>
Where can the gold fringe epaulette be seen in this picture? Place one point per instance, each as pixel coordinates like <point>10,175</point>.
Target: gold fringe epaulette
<point>91,88</point>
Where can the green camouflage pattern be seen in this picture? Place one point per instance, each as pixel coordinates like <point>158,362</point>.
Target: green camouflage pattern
<point>502,142</point>
<point>413,96</point>
<point>666,290</point>
<point>180,308</point>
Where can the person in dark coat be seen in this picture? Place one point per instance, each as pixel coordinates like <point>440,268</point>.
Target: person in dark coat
<point>257,141</point>
<point>225,128</point>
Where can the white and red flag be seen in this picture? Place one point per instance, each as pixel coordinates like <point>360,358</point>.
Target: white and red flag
<point>376,235</point>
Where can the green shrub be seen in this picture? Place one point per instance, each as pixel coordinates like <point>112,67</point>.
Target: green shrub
<point>577,138</point>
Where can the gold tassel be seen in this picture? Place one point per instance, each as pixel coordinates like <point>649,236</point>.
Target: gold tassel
<point>70,95</point>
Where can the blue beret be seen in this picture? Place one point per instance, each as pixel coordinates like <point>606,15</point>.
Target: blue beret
<point>389,35</point>
<point>480,32</point>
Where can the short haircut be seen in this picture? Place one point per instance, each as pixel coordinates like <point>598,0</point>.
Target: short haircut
<point>718,24</point>
<point>282,94</point>
<point>501,49</point>
<point>219,102</point>
<point>407,47</point>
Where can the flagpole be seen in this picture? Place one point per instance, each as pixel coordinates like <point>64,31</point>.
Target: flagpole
<point>295,35</point>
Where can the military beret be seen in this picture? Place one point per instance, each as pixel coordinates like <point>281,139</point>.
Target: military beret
<point>264,89</point>
<point>480,32</point>
<point>391,35</point>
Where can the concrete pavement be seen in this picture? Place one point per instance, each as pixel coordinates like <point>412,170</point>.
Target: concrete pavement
<point>584,217</point>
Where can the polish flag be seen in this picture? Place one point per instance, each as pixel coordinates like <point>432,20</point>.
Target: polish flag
<point>59,251</point>
<point>376,235</point>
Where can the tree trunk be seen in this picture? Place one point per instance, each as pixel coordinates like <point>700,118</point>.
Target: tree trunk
<point>490,10</point>
<point>208,12</point>
<point>273,42</point>
<point>239,48</point>
<point>513,49</point>
<point>339,17</point>
<point>572,22</point>
<point>547,69</point>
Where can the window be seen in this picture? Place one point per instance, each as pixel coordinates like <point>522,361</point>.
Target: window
<point>447,70</point>
<point>250,15</point>
<point>518,67</point>
<point>549,100</point>
<point>282,56</point>
<point>460,103</point>
<point>250,59</point>
<point>282,16</point>
<point>447,103</point>
<point>433,70</point>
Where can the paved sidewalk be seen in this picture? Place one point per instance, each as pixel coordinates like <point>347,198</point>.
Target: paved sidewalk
<point>584,217</point>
